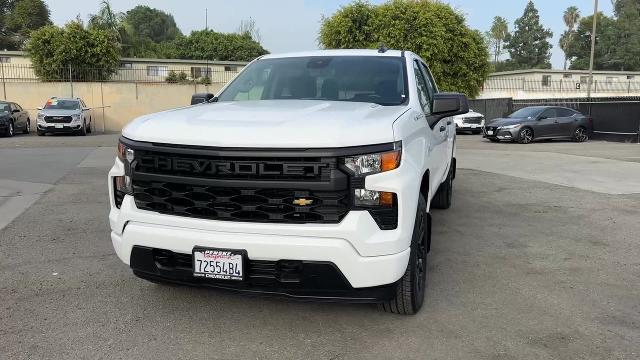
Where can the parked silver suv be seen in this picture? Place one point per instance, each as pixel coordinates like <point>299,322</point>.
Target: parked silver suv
<point>64,115</point>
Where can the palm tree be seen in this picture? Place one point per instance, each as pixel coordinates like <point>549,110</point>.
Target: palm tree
<point>499,31</point>
<point>571,17</point>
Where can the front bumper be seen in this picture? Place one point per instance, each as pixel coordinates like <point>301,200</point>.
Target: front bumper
<point>364,255</point>
<point>65,129</point>
<point>468,128</point>
<point>500,134</point>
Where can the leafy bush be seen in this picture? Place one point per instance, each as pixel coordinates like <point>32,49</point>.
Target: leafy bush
<point>457,55</point>
<point>85,55</point>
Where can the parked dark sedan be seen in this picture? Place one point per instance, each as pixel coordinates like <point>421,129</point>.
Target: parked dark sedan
<point>540,122</point>
<point>13,118</point>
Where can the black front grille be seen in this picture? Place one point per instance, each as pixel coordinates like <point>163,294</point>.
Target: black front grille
<point>241,204</point>
<point>236,167</point>
<point>473,120</point>
<point>57,119</point>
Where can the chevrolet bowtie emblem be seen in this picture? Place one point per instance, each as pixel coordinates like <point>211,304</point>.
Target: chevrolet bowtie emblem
<point>302,202</point>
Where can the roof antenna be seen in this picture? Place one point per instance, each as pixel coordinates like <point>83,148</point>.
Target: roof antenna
<point>382,49</point>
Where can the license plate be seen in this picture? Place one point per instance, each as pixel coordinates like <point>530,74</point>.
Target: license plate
<point>223,264</point>
<point>59,126</point>
<point>489,132</point>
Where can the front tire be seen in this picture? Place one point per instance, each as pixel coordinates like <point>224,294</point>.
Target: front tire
<point>83,130</point>
<point>10,130</point>
<point>525,135</point>
<point>580,134</point>
<point>410,290</point>
<point>89,128</point>
<point>27,128</point>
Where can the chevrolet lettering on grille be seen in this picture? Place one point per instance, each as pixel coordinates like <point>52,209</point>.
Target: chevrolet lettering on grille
<point>221,167</point>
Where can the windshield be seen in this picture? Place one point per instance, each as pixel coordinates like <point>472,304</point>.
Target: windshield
<point>373,79</point>
<point>527,112</point>
<point>4,107</point>
<point>62,104</point>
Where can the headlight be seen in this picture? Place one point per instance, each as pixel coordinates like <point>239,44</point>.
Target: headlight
<point>40,116</point>
<point>125,154</point>
<point>75,117</point>
<point>362,165</point>
<point>507,127</point>
<point>123,185</point>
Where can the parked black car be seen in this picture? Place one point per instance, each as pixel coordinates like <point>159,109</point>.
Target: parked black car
<point>13,118</point>
<point>540,122</point>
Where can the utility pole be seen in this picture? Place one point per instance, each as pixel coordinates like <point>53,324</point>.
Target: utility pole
<point>593,47</point>
<point>206,28</point>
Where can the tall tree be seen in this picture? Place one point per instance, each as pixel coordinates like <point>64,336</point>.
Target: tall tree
<point>571,17</point>
<point>212,45</point>
<point>499,31</point>
<point>529,46</point>
<point>144,28</point>
<point>24,17</point>
<point>107,19</point>
<point>579,48</point>
<point>627,50</point>
<point>457,55</point>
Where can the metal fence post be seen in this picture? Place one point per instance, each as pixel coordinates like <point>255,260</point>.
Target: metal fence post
<point>4,86</point>
<point>71,80</point>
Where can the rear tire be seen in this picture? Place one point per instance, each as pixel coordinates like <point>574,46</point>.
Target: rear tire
<point>89,128</point>
<point>410,289</point>
<point>444,195</point>
<point>580,134</point>
<point>10,130</point>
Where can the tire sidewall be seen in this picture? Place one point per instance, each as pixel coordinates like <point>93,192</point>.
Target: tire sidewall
<point>521,137</point>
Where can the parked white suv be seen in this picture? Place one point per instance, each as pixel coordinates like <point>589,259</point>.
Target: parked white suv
<point>471,122</point>
<point>310,175</point>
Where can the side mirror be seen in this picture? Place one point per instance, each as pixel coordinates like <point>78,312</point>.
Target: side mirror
<point>39,108</point>
<point>201,98</point>
<point>86,109</point>
<point>449,104</point>
<point>15,111</point>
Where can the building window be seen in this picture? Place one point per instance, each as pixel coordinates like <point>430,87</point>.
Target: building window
<point>584,79</point>
<point>157,71</point>
<point>230,68</point>
<point>546,80</point>
<point>611,79</point>
<point>567,76</point>
<point>630,77</point>
<point>199,72</point>
<point>5,59</point>
<point>126,65</point>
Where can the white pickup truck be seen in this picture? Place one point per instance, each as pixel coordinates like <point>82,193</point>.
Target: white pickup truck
<point>311,175</point>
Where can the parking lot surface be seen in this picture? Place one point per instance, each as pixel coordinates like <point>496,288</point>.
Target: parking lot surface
<point>538,258</point>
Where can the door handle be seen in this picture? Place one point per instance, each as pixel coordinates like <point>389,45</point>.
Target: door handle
<point>443,128</point>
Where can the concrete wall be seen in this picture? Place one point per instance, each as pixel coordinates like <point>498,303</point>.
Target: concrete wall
<point>123,102</point>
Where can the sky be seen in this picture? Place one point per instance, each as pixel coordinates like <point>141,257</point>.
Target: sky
<point>292,25</point>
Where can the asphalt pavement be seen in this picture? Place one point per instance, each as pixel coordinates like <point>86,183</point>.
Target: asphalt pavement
<point>541,263</point>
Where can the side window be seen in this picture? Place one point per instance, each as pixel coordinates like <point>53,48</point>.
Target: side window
<point>13,107</point>
<point>424,97</point>
<point>549,113</point>
<point>565,113</point>
<point>430,83</point>
<point>18,107</point>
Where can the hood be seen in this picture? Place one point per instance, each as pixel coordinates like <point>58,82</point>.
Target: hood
<point>270,124</point>
<point>471,113</point>
<point>58,112</point>
<point>507,121</point>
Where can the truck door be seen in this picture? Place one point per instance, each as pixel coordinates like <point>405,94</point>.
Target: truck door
<point>437,134</point>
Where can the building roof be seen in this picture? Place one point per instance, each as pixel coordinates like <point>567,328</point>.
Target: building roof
<point>553,71</point>
<point>146,60</point>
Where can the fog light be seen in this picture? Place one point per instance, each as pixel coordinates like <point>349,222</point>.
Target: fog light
<point>367,198</point>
